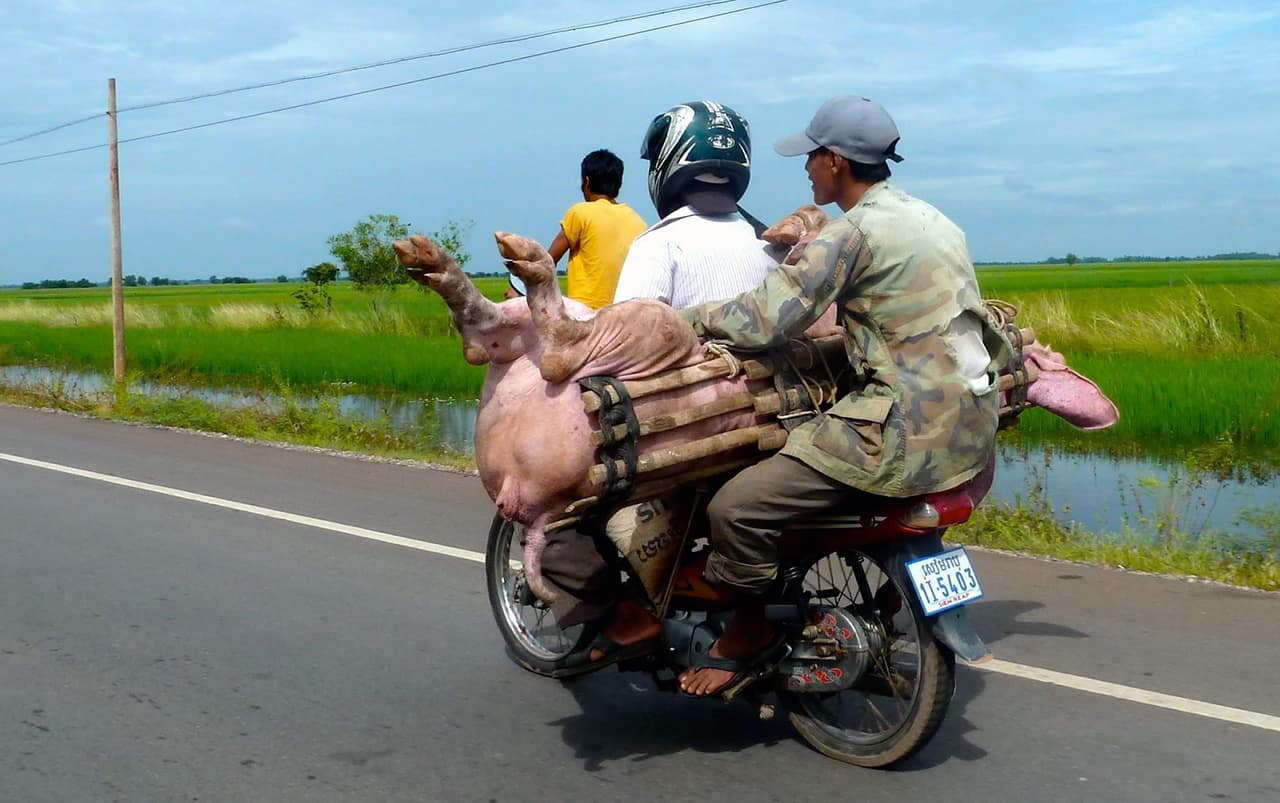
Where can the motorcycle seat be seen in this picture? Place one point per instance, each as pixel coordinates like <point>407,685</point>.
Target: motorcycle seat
<point>927,512</point>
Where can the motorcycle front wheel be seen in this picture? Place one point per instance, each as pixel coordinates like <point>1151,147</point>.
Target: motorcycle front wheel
<point>527,625</point>
<point>898,705</point>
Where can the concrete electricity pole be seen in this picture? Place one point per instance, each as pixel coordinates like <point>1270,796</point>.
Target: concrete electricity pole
<point>117,267</point>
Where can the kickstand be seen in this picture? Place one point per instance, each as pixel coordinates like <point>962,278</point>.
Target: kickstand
<point>752,697</point>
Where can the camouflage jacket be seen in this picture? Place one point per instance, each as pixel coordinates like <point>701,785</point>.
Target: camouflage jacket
<point>918,420</point>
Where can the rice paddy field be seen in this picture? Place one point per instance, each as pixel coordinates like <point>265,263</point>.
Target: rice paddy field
<point>1188,350</point>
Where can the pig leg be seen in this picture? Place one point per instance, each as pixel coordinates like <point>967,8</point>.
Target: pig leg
<point>795,231</point>
<point>430,265</point>
<point>535,540</point>
<point>563,338</point>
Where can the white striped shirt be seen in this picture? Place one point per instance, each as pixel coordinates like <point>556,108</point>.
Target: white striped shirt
<point>687,259</point>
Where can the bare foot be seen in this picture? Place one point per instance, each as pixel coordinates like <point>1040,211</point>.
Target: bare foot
<point>747,635</point>
<point>631,624</point>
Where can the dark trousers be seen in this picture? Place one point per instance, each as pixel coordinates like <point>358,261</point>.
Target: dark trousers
<point>748,513</point>
<point>587,585</point>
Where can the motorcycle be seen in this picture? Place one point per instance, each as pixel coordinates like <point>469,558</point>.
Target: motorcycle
<point>871,605</point>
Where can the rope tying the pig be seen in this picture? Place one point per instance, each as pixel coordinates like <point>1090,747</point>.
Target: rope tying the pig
<point>722,351</point>
<point>1003,313</point>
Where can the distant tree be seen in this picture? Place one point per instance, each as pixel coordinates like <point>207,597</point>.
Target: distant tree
<point>130,280</point>
<point>1072,259</point>
<point>84,283</point>
<point>313,296</point>
<point>450,236</point>
<point>213,279</point>
<point>366,254</point>
<point>321,274</point>
<point>282,279</point>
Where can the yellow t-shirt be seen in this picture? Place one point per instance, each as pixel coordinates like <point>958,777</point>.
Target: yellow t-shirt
<point>599,233</point>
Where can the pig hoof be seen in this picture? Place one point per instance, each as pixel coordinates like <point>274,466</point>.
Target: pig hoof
<point>419,253</point>
<point>787,232</point>
<point>531,272</point>
<point>540,589</point>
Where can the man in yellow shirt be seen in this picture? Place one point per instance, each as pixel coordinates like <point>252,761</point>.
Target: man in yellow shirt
<point>597,232</point>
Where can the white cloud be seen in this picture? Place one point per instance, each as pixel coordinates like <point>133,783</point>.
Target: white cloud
<point>1152,46</point>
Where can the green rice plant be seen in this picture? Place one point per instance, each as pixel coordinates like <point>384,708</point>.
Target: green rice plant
<point>251,316</point>
<point>1187,350</point>
<point>1206,320</point>
<point>1003,279</point>
<point>307,358</point>
<point>72,315</point>
<point>1172,406</point>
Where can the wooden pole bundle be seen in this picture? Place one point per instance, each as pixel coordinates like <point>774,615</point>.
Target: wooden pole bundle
<point>658,487</point>
<point>804,354</point>
<point>764,437</point>
<point>766,403</point>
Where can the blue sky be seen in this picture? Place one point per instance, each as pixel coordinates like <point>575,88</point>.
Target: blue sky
<point>1039,127</point>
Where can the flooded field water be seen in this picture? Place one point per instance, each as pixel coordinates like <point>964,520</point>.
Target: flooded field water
<point>1100,492</point>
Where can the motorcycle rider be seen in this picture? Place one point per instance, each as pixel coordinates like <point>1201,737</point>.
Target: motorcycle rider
<point>922,417</point>
<point>702,249</point>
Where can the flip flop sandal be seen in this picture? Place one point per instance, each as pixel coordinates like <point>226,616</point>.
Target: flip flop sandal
<point>745,670</point>
<point>579,661</point>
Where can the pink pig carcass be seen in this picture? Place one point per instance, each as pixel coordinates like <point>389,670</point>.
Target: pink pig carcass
<point>533,436</point>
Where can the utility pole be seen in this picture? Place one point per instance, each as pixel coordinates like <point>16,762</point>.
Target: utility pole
<point>117,263</point>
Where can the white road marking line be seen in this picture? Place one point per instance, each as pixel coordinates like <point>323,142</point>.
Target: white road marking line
<point>306,521</point>
<point>1156,699</point>
<point>1185,705</point>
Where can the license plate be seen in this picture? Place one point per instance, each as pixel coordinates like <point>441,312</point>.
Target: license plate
<point>944,580</point>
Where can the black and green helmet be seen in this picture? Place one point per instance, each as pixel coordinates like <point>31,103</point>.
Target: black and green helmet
<point>693,139</point>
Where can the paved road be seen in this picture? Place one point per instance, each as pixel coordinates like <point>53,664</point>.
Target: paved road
<point>155,648</point>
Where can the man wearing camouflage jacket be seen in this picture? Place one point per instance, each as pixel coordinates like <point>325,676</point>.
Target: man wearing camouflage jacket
<point>922,415</point>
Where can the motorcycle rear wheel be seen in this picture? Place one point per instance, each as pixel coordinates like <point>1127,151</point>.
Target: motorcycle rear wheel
<point>896,709</point>
<point>534,640</point>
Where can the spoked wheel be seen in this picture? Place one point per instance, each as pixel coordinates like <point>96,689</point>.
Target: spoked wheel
<point>900,702</point>
<point>537,643</point>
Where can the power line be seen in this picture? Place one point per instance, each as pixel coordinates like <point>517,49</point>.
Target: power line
<point>385,63</point>
<point>399,84</point>
<point>435,53</point>
<point>51,129</point>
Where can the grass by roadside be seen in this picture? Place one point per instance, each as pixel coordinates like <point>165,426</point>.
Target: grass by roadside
<point>319,424</point>
<point>1027,528</point>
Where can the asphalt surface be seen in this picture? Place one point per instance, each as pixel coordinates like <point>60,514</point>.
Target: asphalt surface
<point>160,649</point>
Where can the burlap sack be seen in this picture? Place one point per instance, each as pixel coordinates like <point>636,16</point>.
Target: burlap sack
<point>649,535</point>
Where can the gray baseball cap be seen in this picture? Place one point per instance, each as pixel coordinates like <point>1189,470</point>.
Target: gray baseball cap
<point>853,126</point>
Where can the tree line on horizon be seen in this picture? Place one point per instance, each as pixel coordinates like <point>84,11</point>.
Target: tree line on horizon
<point>453,233</point>
<point>1072,259</point>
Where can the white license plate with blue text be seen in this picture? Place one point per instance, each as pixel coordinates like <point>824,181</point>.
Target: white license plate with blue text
<point>944,580</point>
